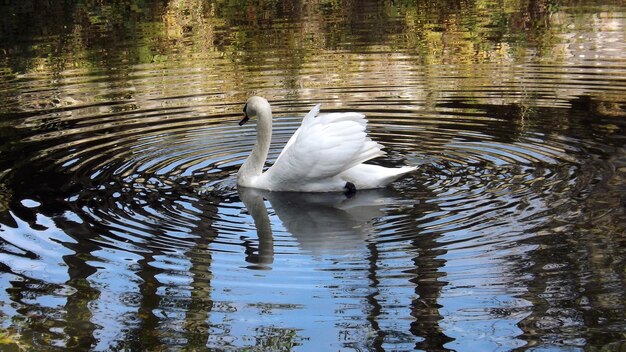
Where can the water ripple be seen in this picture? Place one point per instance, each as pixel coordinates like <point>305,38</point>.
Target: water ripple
<point>137,162</point>
<point>124,184</point>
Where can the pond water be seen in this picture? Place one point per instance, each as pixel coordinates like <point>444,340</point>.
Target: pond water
<point>122,228</point>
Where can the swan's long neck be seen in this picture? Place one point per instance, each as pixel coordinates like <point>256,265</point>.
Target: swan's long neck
<point>253,166</point>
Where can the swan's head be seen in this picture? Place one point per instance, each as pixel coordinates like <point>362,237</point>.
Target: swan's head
<point>254,107</point>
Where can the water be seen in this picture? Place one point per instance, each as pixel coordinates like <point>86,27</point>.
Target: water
<point>122,227</point>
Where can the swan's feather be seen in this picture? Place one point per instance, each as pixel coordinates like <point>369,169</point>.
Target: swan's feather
<point>310,115</point>
<point>323,147</point>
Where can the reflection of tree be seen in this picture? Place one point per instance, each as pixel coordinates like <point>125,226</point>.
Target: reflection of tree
<point>252,33</point>
<point>80,326</point>
<point>75,319</point>
<point>75,33</point>
<point>253,38</point>
<point>86,221</point>
<point>372,299</point>
<point>577,272</point>
<point>428,286</point>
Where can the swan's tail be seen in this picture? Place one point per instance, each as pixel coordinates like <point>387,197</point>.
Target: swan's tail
<point>366,176</point>
<point>396,173</point>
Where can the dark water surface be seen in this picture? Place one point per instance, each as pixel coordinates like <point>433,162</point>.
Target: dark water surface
<point>121,226</point>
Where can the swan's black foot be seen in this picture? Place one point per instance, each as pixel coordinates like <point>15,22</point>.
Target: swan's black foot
<point>350,189</point>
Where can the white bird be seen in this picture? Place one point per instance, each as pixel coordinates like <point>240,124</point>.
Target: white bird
<point>326,154</point>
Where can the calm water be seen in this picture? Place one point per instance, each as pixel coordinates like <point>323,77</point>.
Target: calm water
<point>121,226</point>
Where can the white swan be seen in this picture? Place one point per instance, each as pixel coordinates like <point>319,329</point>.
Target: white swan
<point>325,154</point>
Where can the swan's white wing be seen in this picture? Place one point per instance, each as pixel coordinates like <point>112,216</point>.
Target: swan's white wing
<point>314,111</point>
<point>322,148</point>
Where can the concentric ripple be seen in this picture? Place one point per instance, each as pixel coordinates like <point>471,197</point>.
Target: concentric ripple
<point>153,185</point>
<point>121,225</point>
<point>145,189</point>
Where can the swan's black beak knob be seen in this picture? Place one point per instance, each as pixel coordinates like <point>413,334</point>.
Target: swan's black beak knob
<point>245,115</point>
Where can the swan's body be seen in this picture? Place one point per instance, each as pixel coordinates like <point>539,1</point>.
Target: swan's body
<point>325,154</point>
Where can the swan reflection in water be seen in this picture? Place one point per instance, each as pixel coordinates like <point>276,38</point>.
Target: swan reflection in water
<point>319,222</point>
